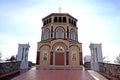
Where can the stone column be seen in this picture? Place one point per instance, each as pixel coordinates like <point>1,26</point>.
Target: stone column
<point>95,58</point>
<point>38,57</point>
<point>53,58</point>
<point>24,54</point>
<point>65,58</point>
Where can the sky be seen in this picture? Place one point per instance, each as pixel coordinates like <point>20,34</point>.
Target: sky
<point>98,22</point>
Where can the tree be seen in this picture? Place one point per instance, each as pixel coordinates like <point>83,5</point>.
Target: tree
<point>104,59</point>
<point>12,58</point>
<point>117,59</point>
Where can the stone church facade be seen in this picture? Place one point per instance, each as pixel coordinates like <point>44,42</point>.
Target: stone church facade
<point>59,44</point>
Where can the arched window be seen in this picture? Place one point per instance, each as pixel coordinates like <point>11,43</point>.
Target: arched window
<point>47,34</point>
<point>60,32</point>
<point>73,35</point>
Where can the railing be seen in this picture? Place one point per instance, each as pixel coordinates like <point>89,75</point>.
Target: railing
<point>107,68</point>
<point>110,69</point>
<point>51,67</point>
<point>87,65</point>
<point>8,68</point>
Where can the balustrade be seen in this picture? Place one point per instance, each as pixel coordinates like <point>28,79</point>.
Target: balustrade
<point>7,68</point>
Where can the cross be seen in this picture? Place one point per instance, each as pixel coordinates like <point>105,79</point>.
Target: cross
<point>59,9</point>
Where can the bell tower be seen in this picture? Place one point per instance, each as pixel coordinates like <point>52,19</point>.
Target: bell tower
<point>23,50</point>
<point>96,55</point>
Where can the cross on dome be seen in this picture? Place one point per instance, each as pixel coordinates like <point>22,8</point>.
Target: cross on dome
<point>60,9</point>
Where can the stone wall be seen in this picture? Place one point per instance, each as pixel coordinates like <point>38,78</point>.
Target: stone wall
<point>8,68</point>
<point>110,69</point>
<point>107,68</point>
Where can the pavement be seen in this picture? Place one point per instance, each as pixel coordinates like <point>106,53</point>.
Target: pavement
<point>59,74</point>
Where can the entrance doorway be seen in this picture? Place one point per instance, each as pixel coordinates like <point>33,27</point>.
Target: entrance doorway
<point>59,59</point>
<point>59,54</point>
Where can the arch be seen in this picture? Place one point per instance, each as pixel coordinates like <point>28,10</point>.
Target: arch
<point>76,46</point>
<point>60,32</point>
<point>60,56</point>
<point>73,34</point>
<point>44,45</point>
<point>59,46</point>
<point>75,53</point>
<point>46,33</point>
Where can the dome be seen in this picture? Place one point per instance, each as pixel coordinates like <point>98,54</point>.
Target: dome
<point>87,58</point>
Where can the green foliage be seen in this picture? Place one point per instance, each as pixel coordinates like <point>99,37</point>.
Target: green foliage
<point>117,59</point>
<point>30,64</point>
<point>13,58</point>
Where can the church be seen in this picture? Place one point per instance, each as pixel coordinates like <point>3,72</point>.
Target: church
<point>59,45</point>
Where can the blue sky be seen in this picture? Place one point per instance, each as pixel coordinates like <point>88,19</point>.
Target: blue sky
<point>98,22</point>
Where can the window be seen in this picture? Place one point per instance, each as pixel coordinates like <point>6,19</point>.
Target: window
<point>55,19</point>
<point>45,22</point>
<point>72,22</point>
<point>47,34</point>
<point>73,34</point>
<point>69,20</point>
<point>60,20</point>
<point>49,20</point>
<point>64,19</point>
<point>45,55</point>
<point>60,32</point>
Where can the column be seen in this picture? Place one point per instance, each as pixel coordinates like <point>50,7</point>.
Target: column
<point>24,54</point>
<point>95,59</point>
<point>38,57</point>
<point>92,55</point>
<point>53,58</point>
<point>81,59</point>
<point>65,58</point>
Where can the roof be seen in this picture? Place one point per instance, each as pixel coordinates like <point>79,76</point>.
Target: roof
<point>59,14</point>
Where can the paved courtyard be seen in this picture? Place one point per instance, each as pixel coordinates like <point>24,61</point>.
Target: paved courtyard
<point>59,73</point>
<point>55,75</point>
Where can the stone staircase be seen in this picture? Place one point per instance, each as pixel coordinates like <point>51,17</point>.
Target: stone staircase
<point>38,67</point>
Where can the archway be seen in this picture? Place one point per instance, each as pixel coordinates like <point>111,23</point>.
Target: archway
<point>59,54</point>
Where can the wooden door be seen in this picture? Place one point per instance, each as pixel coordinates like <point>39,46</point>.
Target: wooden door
<point>59,59</point>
